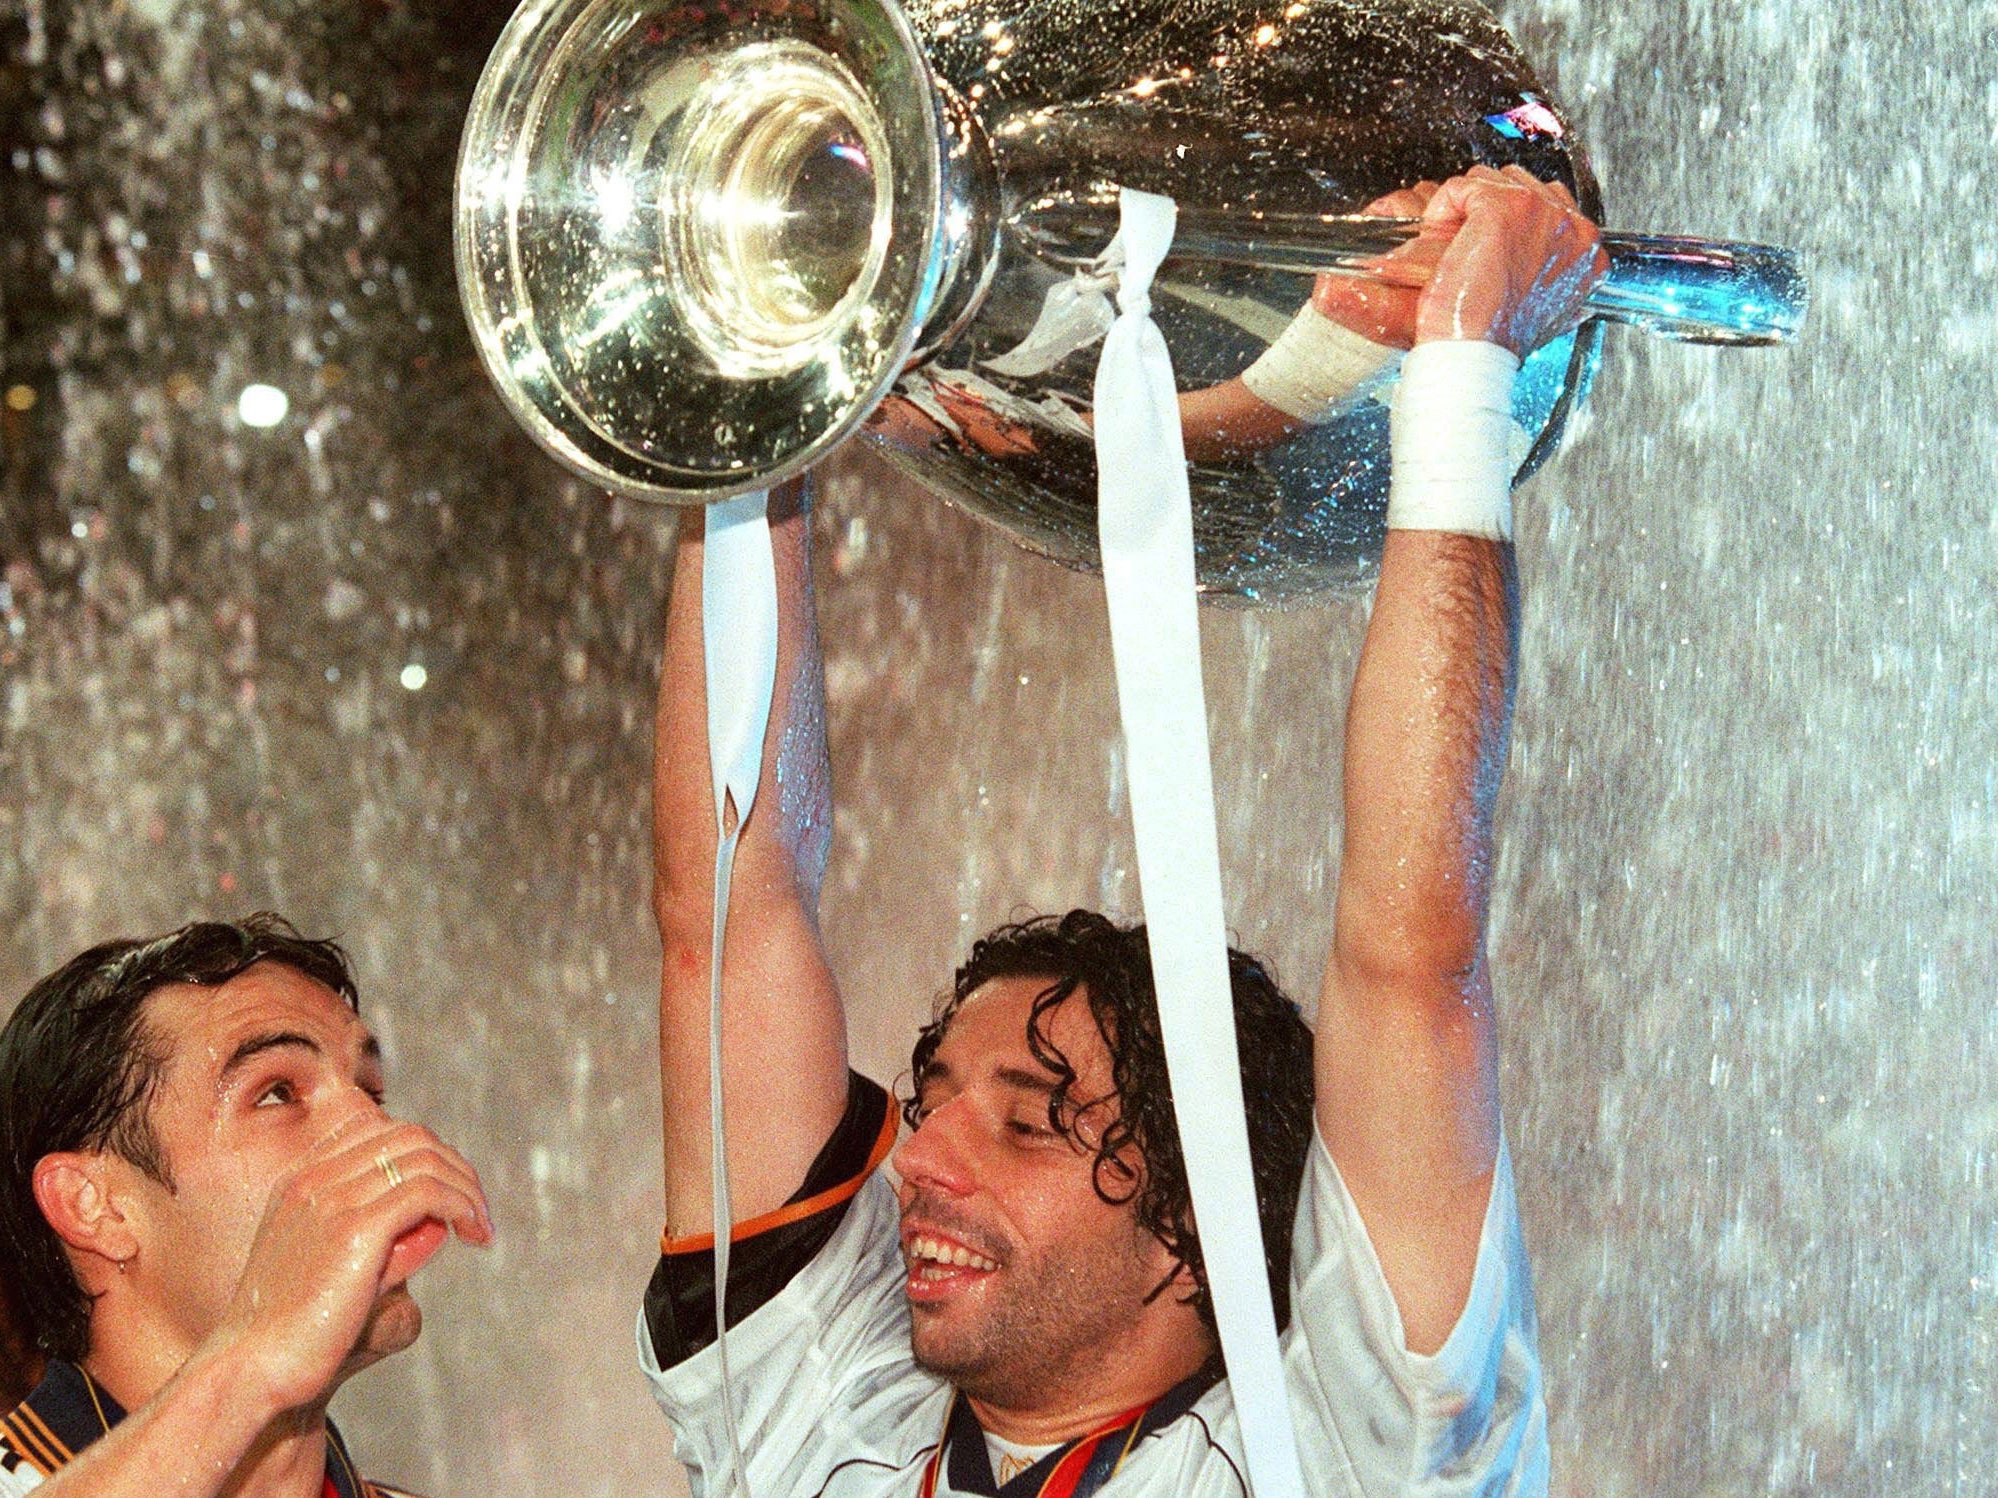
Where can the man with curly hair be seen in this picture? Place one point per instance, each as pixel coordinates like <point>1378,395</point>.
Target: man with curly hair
<point>1025,1312</point>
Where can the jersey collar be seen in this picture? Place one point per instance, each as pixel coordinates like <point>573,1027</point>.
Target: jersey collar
<point>1075,1470</point>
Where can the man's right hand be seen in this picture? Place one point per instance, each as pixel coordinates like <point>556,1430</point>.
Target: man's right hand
<point>322,1294</point>
<point>1382,310</point>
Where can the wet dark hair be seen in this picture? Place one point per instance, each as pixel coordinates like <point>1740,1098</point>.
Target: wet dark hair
<point>78,1070</point>
<point>1111,965</point>
<point>20,1367</point>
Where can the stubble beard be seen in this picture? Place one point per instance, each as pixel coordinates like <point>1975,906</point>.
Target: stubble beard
<point>1057,1320</point>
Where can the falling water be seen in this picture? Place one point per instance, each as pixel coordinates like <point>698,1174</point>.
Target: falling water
<point>379,664</point>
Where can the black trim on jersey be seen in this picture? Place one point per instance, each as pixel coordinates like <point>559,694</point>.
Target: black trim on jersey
<point>68,1411</point>
<point>869,1461</point>
<point>680,1301</point>
<point>970,1458</point>
<point>1221,1451</point>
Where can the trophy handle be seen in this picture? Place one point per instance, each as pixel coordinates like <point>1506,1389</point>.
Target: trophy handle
<point>1703,290</point>
<point>1689,290</point>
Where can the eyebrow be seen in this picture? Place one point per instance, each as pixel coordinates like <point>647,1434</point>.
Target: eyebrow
<point>1040,1084</point>
<point>276,1040</point>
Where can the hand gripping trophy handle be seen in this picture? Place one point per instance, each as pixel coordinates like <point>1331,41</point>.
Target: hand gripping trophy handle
<point>1690,290</point>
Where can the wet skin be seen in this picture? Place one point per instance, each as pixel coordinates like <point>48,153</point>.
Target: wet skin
<point>266,1076</point>
<point>1025,1287</point>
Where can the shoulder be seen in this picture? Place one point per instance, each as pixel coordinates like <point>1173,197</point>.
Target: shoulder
<point>1372,1407</point>
<point>1197,1454</point>
<point>787,1250</point>
<point>821,1372</point>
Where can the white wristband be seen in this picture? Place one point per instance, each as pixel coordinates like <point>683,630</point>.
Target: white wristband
<point>1313,366</point>
<point>1451,437</point>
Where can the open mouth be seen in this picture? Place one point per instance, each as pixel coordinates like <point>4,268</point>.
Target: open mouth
<point>938,1266</point>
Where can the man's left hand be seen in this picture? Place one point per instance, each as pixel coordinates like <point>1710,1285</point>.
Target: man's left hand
<point>1519,262</point>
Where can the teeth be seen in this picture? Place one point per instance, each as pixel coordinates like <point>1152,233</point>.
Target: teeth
<point>956,1255</point>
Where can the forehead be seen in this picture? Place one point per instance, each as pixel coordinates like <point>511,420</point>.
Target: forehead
<point>204,1022</point>
<point>990,1028</point>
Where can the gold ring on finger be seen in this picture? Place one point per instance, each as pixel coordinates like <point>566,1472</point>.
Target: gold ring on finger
<point>389,1171</point>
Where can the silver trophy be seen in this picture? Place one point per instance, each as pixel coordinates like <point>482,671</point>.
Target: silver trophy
<point>701,242</point>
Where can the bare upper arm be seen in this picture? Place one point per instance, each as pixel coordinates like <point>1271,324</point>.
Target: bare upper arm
<point>1406,1047</point>
<point>1408,1108</point>
<point>785,1035</point>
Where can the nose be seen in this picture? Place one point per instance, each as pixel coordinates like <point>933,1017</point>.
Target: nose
<point>934,1157</point>
<point>356,1104</point>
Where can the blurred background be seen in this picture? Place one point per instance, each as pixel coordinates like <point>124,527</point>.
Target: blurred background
<point>292,617</point>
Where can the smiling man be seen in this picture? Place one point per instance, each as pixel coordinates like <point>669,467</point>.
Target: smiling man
<point>210,1216</point>
<point>1026,1313</point>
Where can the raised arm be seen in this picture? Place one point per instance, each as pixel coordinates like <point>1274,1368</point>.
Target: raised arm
<point>785,1044</point>
<point>1407,1041</point>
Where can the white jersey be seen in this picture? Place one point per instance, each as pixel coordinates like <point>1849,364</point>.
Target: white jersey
<point>830,1403</point>
<point>17,1478</point>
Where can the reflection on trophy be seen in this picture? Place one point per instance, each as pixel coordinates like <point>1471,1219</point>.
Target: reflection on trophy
<point>701,242</point>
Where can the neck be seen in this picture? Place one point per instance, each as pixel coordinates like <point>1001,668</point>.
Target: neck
<point>286,1458</point>
<point>1071,1413</point>
<point>131,1362</point>
<point>1049,1427</point>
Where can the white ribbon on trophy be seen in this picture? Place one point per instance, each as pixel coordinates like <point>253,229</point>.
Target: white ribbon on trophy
<point>739,643</point>
<point>1074,314</point>
<point>1145,524</point>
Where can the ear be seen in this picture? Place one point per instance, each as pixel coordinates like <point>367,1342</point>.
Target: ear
<point>75,1191</point>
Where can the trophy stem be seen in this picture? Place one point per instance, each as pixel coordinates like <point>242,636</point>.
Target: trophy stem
<point>1689,290</point>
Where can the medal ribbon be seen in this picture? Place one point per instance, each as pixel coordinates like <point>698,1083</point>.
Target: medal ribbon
<point>1082,1469</point>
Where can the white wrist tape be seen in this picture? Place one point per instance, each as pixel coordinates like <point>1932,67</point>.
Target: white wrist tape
<point>1451,436</point>
<point>1314,365</point>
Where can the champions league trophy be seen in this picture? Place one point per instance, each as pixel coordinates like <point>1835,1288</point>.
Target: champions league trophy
<point>700,242</point>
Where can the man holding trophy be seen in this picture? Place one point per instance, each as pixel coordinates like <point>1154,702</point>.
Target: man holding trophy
<point>1027,1312</point>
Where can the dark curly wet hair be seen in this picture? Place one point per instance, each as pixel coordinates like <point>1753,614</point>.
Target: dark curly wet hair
<point>1111,965</point>
<point>78,1069</point>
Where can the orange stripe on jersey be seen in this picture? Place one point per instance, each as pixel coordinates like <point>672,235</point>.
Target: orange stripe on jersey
<point>40,1427</point>
<point>21,1447</point>
<point>811,1206</point>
